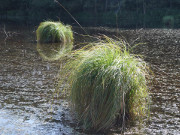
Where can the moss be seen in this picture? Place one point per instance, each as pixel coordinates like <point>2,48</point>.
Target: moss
<point>53,32</point>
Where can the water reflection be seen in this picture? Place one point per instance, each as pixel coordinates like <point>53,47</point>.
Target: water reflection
<point>27,103</point>
<point>54,51</point>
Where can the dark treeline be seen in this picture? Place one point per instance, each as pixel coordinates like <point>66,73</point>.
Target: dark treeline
<point>115,13</point>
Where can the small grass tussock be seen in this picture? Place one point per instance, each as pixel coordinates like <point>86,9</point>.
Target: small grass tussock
<point>107,84</point>
<point>53,32</point>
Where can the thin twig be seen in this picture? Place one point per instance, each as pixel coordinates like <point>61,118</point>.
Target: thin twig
<point>70,15</point>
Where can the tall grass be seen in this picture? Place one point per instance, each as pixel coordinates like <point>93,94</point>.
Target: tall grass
<point>53,32</point>
<point>54,51</point>
<point>107,84</point>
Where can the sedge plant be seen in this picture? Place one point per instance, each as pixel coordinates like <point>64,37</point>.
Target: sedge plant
<point>107,84</point>
<point>54,32</point>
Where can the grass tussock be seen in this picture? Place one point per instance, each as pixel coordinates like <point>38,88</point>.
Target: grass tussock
<point>107,84</point>
<point>54,51</point>
<point>54,32</point>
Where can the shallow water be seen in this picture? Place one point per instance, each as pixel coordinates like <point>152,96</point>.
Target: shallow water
<point>27,102</point>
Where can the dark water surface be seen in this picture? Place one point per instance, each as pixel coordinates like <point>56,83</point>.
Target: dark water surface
<point>28,105</point>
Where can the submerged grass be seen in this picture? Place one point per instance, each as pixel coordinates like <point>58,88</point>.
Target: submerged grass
<point>107,84</point>
<point>53,32</point>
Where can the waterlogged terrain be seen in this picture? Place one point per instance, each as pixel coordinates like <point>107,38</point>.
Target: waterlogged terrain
<point>28,104</point>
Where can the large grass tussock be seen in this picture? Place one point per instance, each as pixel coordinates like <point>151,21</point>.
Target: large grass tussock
<point>108,85</point>
<point>53,32</point>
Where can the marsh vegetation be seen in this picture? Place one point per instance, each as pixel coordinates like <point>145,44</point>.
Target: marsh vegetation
<point>53,32</point>
<point>107,84</point>
<point>54,40</point>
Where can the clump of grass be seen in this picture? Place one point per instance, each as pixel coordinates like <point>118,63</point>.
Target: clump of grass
<point>53,32</point>
<point>107,85</point>
<point>54,51</point>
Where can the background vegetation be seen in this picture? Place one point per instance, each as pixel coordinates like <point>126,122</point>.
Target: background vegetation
<point>115,13</point>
